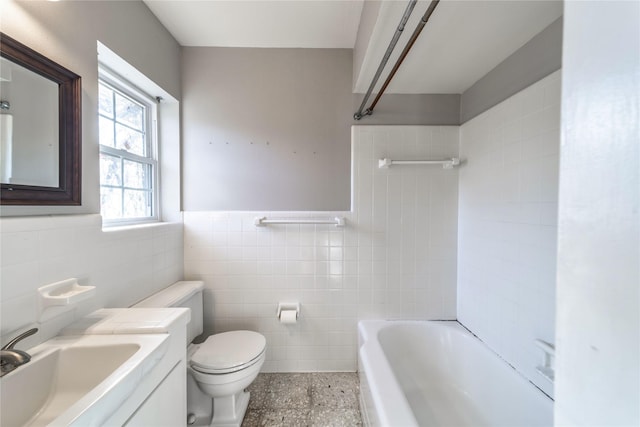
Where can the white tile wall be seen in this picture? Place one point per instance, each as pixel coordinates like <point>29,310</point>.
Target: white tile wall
<point>395,259</point>
<point>125,265</point>
<point>507,224</point>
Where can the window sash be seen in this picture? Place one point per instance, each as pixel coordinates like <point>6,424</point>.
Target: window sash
<point>148,132</point>
<point>149,188</point>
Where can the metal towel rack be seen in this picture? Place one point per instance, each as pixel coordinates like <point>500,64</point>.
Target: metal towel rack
<point>446,163</point>
<point>262,221</point>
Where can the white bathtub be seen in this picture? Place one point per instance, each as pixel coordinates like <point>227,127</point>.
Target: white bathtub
<point>435,373</point>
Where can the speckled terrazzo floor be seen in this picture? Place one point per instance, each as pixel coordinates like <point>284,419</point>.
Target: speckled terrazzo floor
<point>328,399</point>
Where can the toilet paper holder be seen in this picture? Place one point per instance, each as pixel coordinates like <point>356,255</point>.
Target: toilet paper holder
<point>288,306</point>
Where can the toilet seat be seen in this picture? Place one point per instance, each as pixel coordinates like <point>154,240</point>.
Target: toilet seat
<point>228,352</point>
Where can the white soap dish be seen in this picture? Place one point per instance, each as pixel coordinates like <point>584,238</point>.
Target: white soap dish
<point>63,295</point>
<point>549,353</point>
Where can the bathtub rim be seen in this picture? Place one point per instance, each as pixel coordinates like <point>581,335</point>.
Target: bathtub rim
<point>390,395</point>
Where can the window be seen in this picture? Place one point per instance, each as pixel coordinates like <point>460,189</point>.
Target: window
<point>128,162</point>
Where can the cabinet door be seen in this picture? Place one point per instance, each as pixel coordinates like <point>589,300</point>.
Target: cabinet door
<point>166,406</point>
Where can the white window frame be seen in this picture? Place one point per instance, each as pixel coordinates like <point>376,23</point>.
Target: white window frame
<point>127,89</point>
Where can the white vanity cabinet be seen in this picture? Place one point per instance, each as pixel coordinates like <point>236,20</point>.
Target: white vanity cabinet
<point>160,397</point>
<point>162,408</point>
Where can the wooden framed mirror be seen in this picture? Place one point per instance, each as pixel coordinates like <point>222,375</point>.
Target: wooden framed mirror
<point>40,128</point>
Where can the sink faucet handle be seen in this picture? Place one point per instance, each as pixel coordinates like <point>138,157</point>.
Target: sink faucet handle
<point>19,338</point>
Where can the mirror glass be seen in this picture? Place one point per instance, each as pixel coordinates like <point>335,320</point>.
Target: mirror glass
<point>29,147</point>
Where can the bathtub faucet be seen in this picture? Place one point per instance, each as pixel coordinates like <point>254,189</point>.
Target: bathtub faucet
<point>11,358</point>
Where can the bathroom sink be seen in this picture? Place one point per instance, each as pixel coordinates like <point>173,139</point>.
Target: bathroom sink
<point>77,380</point>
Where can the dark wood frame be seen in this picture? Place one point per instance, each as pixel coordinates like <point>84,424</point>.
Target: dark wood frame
<point>68,191</point>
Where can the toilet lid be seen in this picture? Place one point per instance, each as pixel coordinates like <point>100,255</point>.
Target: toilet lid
<point>228,352</point>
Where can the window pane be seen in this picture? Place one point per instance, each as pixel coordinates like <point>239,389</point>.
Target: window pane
<point>136,174</point>
<point>136,204</point>
<point>106,132</point>
<point>130,140</point>
<point>105,101</point>
<point>111,202</point>
<point>110,172</point>
<point>129,112</point>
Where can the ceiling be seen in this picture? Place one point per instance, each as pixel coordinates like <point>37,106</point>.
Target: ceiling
<point>261,23</point>
<point>462,41</point>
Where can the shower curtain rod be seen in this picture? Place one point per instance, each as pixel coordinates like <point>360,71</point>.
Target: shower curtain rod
<point>423,21</point>
<point>385,58</point>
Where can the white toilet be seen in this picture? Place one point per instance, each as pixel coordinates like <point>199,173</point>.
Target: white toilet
<point>220,368</point>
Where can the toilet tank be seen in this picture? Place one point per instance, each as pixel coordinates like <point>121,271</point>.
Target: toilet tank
<point>180,294</point>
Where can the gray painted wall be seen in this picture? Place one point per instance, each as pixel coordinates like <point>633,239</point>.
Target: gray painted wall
<point>67,33</point>
<point>266,129</point>
<point>237,100</point>
<point>408,109</point>
<point>538,58</point>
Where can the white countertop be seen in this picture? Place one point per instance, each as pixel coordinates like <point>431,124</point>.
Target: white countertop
<point>109,321</point>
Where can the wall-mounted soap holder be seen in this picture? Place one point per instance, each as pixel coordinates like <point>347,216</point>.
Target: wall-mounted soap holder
<point>60,297</point>
<point>546,369</point>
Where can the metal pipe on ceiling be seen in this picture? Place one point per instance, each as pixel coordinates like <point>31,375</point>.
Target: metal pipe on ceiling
<point>423,21</point>
<point>392,44</point>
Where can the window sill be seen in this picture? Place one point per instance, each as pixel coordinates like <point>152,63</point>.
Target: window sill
<point>132,225</point>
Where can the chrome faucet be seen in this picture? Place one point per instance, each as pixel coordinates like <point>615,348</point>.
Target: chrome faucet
<point>11,358</point>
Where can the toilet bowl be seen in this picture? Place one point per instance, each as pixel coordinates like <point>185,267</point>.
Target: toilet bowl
<point>222,366</point>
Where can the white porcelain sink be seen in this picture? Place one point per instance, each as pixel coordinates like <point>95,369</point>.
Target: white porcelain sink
<point>77,380</point>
